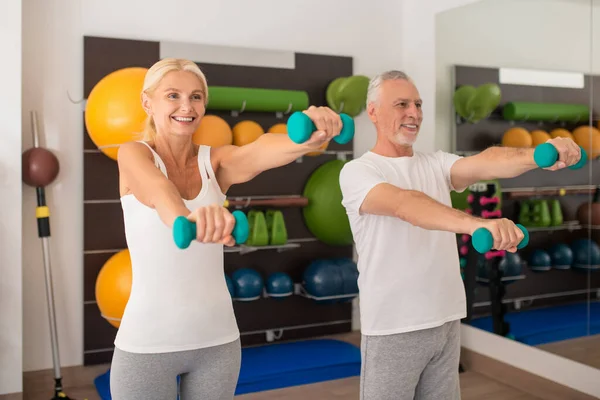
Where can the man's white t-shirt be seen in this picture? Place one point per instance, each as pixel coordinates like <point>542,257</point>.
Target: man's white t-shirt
<point>409,277</point>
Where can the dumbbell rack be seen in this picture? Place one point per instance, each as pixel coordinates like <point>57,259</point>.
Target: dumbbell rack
<point>482,199</point>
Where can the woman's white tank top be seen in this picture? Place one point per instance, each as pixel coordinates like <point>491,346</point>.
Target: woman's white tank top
<point>179,298</point>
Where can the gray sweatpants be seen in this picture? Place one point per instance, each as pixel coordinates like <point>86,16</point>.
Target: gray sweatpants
<point>208,374</point>
<point>419,365</point>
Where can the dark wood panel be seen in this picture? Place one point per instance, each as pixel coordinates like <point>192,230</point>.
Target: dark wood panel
<point>93,264</point>
<point>98,333</point>
<point>103,226</point>
<point>297,334</point>
<point>101,56</point>
<point>101,179</point>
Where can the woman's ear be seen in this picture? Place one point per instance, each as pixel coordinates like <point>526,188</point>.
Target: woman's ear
<point>146,104</point>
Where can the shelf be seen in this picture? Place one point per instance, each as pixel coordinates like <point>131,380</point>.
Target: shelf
<point>290,245</point>
<point>503,279</point>
<point>301,291</point>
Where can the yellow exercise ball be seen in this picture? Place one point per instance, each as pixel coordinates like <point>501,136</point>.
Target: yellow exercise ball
<point>213,131</point>
<point>113,111</point>
<point>588,137</point>
<point>517,137</point>
<point>245,132</point>
<point>113,287</point>
<point>561,132</point>
<point>539,136</point>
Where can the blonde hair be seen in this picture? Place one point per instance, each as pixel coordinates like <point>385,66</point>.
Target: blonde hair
<point>155,75</point>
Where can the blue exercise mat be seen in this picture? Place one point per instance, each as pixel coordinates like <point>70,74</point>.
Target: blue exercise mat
<point>282,365</point>
<point>551,324</point>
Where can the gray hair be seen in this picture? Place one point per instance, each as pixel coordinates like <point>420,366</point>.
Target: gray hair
<point>375,83</point>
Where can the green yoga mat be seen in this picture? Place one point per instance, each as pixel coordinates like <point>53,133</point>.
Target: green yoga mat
<point>520,111</point>
<point>265,100</point>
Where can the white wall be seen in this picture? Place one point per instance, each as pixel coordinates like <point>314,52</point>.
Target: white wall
<point>539,34</point>
<point>11,305</point>
<point>53,65</point>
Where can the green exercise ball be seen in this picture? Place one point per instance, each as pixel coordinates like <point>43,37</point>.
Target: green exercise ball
<point>325,217</point>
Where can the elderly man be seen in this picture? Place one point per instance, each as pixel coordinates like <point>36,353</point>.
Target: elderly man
<point>398,202</point>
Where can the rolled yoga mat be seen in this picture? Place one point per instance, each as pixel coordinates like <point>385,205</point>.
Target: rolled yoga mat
<point>515,111</point>
<point>257,100</point>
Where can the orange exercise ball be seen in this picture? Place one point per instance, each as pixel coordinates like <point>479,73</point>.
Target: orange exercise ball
<point>561,132</point>
<point>539,136</point>
<point>113,287</point>
<point>588,137</point>
<point>517,137</point>
<point>113,111</point>
<point>213,131</point>
<point>245,132</point>
<point>282,128</point>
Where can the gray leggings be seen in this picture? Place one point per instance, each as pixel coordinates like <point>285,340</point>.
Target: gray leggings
<point>208,374</point>
<point>418,365</point>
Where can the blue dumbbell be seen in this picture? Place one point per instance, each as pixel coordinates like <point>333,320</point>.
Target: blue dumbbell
<point>300,127</point>
<point>546,155</point>
<point>184,230</point>
<point>483,240</point>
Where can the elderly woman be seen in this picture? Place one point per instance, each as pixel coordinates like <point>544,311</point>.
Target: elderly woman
<point>179,320</point>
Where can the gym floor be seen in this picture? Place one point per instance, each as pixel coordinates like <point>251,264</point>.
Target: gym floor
<point>78,381</point>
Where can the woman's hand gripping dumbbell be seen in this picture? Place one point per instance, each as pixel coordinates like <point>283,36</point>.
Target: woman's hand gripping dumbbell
<point>302,125</point>
<point>211,224</point>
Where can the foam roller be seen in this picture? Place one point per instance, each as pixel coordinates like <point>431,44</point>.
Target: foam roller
<point>483,240</point>
<point>300,127</point>
<point>184,230</point>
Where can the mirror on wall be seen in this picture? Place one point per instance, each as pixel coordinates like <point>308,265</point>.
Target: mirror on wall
<point>516,73</point>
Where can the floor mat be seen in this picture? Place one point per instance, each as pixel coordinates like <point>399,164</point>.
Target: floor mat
<point>551,324</point>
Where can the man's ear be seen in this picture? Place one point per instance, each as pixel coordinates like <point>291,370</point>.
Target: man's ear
<point>371,112</point>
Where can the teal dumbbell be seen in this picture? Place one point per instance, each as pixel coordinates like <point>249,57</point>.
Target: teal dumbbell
<point>546,155</point>
<point>300,127</point>
<point>483,240</point>
<point>184,230</point>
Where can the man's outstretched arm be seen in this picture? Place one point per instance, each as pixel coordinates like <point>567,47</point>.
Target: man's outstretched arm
<point>509,162</point>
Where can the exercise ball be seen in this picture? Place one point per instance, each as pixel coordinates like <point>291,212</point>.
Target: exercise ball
<point>278,128</point>
<point>248,284</point>
<point>517,137</point>
<point>230,285</point>
<point>322,278</point>
<point>561,132</point>
<point>586,254</point>
<point>588,137</point>
<point>539,136</point>
<point>39,167</point>
<point>213,131</point>
<point>588,213</point>
<point>511,267</point>
<point>282,128</point>
<point>561,255</point>
<point>324,216</point>
<point>113,287</point>
<point>279,284</point>
<point>349,272</point>
<point>540,260</point>
<point>113,111</point>
<point>245,132</point>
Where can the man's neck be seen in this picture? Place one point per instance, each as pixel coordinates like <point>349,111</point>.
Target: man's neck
<point>389,149</point>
